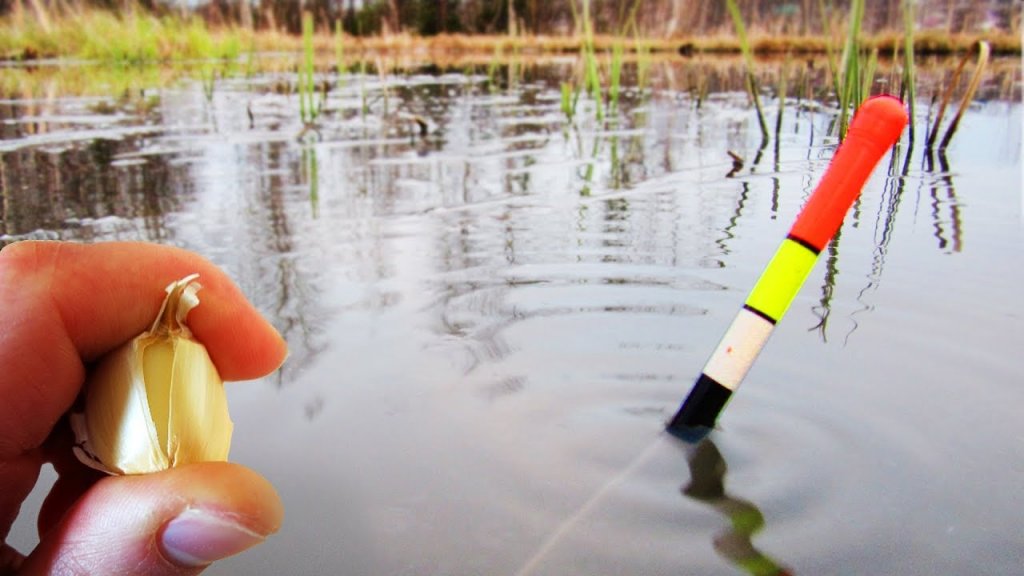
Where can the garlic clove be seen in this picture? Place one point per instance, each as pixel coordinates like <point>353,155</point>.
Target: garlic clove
<point>198,423</point>
<point>116,430</point>
<point>157,401</point>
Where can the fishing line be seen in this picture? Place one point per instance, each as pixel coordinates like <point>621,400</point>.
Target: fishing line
<point>570,522</point>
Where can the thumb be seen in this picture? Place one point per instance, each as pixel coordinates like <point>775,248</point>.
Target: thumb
<point>170,523</point>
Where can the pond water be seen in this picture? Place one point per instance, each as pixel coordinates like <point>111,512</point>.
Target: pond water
<point>490,322</point>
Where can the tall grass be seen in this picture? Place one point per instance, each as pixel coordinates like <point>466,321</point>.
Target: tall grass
<point>132,37</point>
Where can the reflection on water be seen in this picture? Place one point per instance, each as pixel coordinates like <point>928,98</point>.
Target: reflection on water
<point>488,321</point>
<point>707,485</point>
<point>948,229</point>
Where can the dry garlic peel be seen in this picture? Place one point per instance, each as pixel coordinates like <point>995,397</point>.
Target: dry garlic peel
<point>157,401</point>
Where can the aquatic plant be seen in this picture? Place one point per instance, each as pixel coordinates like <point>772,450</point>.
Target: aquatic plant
<point>570,96</point>
<point>615,78</point>
<point>748,59</point>
<point>781,96</point>
<point>909,90</point>
<point>497,57</point>
<point>591,74</point>
<point>208,76</point>
<point>850,85</point>
<point>308,109</point>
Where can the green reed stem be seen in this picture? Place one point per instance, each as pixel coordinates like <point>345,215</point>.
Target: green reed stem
<point>851,77</point>
<point>748,58</point>
<point>307,109</point>
<point>592,76</point>
<point>868,78</point>
<point>615,77</point>
<point>908,60</point>
<point>782,96</point>
<point>492,67</point>
<point>569,99</point>
<point>830,53</point>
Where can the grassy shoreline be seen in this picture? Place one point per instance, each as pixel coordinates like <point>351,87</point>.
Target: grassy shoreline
<point>137,37</point>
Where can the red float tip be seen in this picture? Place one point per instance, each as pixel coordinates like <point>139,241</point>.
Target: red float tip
<point>880,119</point>
<point>876,126</point>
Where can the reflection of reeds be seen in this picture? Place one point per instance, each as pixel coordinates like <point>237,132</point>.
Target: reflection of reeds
<point>311,171</point>
<point>828,287</point>
<point>208,76</point>
<point>951,239</point>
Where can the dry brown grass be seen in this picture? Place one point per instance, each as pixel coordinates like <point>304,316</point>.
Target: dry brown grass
<point>449,45</point>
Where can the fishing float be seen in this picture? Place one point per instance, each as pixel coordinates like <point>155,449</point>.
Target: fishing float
<point>875,128</point>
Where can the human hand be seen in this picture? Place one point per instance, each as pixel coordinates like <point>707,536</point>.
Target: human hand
<point>62,306</point>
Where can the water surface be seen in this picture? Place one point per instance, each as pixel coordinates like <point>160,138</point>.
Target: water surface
<point>489,324</point>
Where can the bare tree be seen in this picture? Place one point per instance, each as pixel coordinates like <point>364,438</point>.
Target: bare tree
<point>245,14</point>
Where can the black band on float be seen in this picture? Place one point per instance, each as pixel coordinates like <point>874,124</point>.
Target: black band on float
<point>701,407</point>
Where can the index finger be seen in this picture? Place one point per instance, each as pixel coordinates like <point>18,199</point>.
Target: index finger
<point>64,304</point>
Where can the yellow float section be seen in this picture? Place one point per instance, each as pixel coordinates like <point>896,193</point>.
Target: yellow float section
<point>781,280</point>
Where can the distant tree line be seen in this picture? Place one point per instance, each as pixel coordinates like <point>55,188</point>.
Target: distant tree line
<point>663,18</point>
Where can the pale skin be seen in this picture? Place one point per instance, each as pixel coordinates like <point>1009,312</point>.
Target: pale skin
<point>64,305</point>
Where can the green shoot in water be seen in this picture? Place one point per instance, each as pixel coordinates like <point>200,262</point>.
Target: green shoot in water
<point>868,76</point>
<point>781,96</point>
<point>908,60</point>
<point>615,78</point>
<point>592,76</point>
<point>308,111</point>
<point>492,68</point>
<point>569,98</point>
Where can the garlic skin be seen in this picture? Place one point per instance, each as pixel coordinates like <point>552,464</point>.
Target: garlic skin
<point>157,401</point>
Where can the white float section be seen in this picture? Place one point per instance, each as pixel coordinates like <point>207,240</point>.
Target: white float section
<point>737,350</point>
